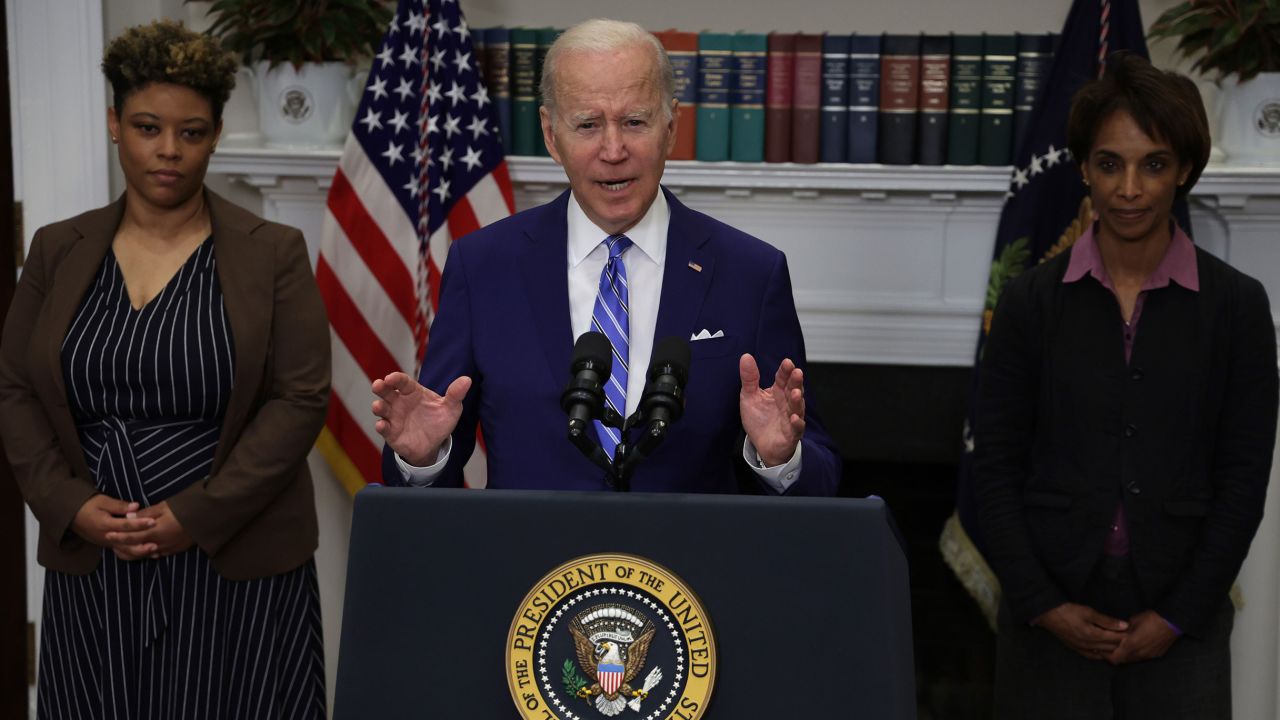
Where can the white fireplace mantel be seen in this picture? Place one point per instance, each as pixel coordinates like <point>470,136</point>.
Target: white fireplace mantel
<point>889,264</point>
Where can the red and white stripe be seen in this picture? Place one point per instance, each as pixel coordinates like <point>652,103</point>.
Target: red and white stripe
<point>369,275</point>
<point>1104,32</point>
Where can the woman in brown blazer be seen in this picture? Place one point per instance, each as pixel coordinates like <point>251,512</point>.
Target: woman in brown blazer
<point>164,371</point>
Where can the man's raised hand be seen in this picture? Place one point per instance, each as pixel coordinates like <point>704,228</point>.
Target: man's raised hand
<point>415,421</point>
<point>773,417</point>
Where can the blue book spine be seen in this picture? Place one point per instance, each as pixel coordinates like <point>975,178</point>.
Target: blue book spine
<point>864,97</point>
<point>835,98</point>
<point>715,80</point>
<point>1035,57</point>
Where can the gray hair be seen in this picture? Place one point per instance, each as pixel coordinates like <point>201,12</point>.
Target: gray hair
<point>603,35</point>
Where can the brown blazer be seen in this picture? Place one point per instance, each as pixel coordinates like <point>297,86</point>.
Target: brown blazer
<point>255,513</point>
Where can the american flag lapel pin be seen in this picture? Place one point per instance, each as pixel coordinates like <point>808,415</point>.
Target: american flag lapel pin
<point>696,267</point>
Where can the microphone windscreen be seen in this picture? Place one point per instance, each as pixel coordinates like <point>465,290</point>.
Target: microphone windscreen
<point>593,348</point>
<point>671,354</point>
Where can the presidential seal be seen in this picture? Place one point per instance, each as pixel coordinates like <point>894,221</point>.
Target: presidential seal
<point>611,635</point>
<point>296,104</point>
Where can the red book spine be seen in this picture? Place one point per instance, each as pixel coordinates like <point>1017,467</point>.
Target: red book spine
<point>935,83</point>
<point>806,110</point>
<point>900,83</point>
<point>899,104</point>
<point>778,96</point>
<point>682,48</point>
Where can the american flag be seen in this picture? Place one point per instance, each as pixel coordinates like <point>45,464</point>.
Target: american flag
<point>422,167</point>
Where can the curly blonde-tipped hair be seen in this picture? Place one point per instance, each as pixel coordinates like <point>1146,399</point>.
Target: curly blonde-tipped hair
<point>165,51</point>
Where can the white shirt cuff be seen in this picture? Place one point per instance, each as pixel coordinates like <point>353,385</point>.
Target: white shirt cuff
<point>778,477</point>
<point>424,476</point>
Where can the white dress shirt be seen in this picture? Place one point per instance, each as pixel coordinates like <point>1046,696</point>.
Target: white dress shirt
<point>644,262</point>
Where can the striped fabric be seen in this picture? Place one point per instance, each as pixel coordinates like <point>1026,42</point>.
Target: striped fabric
<point>609,316</point>
<point>167,638</point>
<point>421,168</point>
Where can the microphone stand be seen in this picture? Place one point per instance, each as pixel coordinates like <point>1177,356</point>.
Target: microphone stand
<point>628,456</point>
<point>661,404</point>
<point>582,437</point>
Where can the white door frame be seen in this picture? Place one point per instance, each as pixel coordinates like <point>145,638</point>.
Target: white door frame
<point>58,103</point>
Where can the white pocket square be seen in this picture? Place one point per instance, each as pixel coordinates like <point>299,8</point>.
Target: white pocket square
<point>705,334</point>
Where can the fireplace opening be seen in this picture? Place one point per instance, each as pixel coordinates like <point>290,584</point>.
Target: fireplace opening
<point>899,431</point>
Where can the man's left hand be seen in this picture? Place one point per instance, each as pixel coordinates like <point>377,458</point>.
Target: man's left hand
<point>167,536</point>
<point>772,417</point>
<point>1148,637</point>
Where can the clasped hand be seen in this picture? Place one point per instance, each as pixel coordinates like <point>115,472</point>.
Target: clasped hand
<point>1096,636</point>
<point>130,530</point>
<point>415,421</point>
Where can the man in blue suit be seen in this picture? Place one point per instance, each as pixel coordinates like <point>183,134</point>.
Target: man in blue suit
<point>517,293</point>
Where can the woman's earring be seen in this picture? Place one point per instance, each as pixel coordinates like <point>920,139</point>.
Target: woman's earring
<point>115,140</point>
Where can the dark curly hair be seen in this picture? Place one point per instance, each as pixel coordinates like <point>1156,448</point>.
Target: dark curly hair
<point>165,51</point>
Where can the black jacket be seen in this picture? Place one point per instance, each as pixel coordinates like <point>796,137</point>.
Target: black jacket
<point>1182,436</point>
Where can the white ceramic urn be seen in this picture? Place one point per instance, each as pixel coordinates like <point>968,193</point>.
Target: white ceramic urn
<point>1249,120</point>
<point>311,107</point>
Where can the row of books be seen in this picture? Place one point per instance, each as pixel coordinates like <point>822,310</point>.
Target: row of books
<point>807,98</point>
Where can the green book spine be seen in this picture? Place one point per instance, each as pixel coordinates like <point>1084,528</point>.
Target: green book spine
<point>750,61</point>
<point>715,80</point>
<point>999,76</point>
<point>526,129</point>
<point>546,36</point>
<point>966,100</point>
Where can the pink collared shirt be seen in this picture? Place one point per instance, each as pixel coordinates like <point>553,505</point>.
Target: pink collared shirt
<point>1178,265</point>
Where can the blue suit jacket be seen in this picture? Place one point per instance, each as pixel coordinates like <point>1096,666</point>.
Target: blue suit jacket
<point>504,321</point>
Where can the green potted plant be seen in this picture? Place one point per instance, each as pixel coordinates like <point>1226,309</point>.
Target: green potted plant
<point>302,55</point>
<point>1237,42</point>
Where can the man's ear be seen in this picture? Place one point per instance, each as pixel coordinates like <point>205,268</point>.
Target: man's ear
<point>673,126</point>
<point>549,136</point>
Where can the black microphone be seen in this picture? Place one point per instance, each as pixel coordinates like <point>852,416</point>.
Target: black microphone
<point>661,404</point>
<point>663,398</point>
<point>592,364</point>
<point>583,397</point>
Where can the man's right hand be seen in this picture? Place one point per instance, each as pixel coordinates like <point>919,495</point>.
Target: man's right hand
<point>1083,629</point>
<point>415,421</point>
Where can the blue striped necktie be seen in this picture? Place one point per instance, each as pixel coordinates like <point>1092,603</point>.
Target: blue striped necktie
<point>610,318</point>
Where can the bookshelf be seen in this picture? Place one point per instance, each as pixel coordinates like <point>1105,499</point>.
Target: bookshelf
<point>889,263</point>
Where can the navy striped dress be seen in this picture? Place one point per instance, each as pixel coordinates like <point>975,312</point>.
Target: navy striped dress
<point>167,638</point>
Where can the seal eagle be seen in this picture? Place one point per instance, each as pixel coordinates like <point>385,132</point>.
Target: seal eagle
<point>611,643</point>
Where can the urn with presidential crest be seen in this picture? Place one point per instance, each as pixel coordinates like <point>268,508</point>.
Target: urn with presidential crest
<point>1238,41</point>
<point>1249,120</point>
<point>301,56</point>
